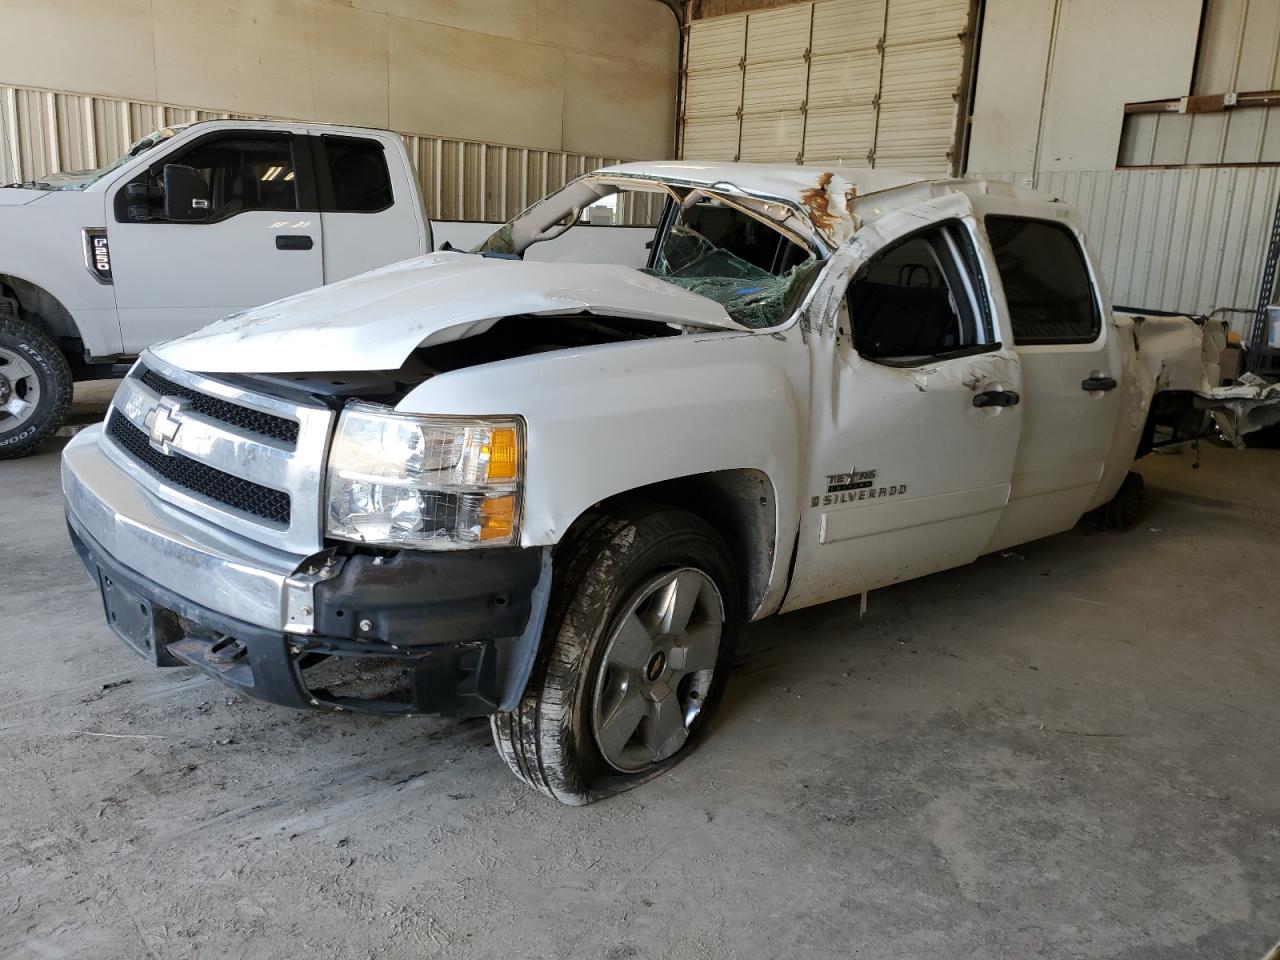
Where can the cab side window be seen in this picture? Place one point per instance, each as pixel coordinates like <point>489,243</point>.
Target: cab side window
<point>915,301</point>
<point>358,175</point>
<point>244,173</point>
<point>1046,281</point>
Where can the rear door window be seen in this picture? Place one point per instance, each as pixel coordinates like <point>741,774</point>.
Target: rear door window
<point>1046,281</point>
<point>358,176</point>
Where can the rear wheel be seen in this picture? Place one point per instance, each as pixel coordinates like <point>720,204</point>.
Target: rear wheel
<point>35,388</point>
<point>636,652</point>
<point>1124,510</point>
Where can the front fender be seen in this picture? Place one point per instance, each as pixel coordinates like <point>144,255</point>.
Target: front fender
<point>609,419</point>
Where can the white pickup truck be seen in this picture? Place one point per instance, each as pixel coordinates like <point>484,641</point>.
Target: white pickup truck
<point>552,493</point>
<point>194,222</point>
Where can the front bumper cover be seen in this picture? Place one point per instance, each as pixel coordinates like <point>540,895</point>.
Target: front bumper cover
<point>448,633</point>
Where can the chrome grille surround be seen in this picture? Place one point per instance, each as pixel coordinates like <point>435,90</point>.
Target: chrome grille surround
<point>296,469</point>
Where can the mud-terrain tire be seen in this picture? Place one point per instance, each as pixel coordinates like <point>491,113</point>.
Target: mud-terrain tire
<point>35,388</point>
<point>1124,511</point>
<point>643,567</point>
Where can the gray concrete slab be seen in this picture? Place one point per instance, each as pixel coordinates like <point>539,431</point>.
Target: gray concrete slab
<point>1067,751</point>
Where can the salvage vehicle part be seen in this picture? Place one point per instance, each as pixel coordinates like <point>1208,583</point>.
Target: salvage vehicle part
<point>640,636</point>
<point>483,484</point>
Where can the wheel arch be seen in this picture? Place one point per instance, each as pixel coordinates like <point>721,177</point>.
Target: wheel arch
<point>742,505</point>
<point>46,311</point>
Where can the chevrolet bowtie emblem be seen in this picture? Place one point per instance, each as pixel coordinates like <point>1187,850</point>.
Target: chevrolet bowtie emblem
<point>162,428</point>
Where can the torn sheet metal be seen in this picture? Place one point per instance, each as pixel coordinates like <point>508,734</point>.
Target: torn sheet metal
<point>1249,404</point>
<point>1183,354</point>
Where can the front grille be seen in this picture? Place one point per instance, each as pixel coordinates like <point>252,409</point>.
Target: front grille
<point>242,495</point>
<point>232,414</point>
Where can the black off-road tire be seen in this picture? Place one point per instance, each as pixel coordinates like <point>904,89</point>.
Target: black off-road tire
<point>547,740</point>
<point>54,375</point>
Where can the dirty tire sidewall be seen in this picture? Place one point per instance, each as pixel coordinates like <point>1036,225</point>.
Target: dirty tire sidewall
<point>55,388</point>
<point>547,741</point>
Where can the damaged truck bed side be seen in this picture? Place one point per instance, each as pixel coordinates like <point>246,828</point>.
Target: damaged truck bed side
<point>552,493</point>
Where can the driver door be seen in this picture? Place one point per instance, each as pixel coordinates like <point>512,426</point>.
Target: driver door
<point>915,415</point>
<point>260,240</point>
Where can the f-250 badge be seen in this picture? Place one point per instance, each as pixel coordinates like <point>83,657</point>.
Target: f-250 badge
<point>855,485</point>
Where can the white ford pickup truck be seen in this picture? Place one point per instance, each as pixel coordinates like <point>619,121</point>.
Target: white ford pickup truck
<point>552,493</point>
<point>193,222</point>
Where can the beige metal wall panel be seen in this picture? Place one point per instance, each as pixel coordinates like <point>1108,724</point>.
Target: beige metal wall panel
<point>819,79</point>
<point>1104,55</point>
<point>772,137</point>
<point>711,124</point>
<point>847,25</point>
<point>840,135</point>
<point>917,135</point>
<point>778,34</point>
<point>914,21</point>
<point>43,132</point>
<point>1189,240</point>
<point>715,138</point>
<point>929,70</point>
<point>1175,139</point>
<point>779,85</point>
<point>1240,47</point>
<point>502,71</point>
<point>1009,91</point>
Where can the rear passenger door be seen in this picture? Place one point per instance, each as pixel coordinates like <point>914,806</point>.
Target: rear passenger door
<point>914,412</point>
<point>1070,370</point>
<point>366,204</point>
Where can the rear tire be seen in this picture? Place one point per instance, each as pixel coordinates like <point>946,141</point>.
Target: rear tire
<point>35,388</point>
<point>644,613</point>
<point>1124,511</point>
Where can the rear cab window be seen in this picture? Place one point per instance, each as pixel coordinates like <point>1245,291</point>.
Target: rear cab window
<point>358,180</point>
<point>1047,286</point>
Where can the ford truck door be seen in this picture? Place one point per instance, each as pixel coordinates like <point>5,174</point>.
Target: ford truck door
<point>252,237</point>
<point>1071,367</point>
<point>915,408</point>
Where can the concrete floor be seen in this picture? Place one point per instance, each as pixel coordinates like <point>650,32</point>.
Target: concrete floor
<point>1070,751</point>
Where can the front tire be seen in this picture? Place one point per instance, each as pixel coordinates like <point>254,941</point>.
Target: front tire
<point>640,632</point>
<point>35,388</point>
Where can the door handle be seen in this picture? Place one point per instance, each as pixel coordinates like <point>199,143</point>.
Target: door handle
<point>1098,383</point>
<point>293,242</point>
<point>996,398</point>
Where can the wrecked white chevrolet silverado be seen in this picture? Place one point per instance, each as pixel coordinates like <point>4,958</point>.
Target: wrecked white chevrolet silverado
<point>552,493</point>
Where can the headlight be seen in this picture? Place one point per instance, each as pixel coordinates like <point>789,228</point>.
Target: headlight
<point>439,483</point>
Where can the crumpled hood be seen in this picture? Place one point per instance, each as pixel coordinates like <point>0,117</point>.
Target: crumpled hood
<point>375,320</point>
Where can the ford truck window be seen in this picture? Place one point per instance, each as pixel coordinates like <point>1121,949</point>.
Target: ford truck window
<point>358,176</point>
<point>240,173</point>
<point>1046,282</point>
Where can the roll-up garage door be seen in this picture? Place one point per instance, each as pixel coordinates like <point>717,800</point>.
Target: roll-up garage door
<point>863,82</point>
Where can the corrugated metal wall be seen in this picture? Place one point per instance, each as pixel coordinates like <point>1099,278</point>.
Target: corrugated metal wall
<point>874,82</point>
<point>43,132</point>
<point>1188,240</point>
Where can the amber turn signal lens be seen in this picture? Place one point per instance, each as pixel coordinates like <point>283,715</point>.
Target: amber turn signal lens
<point>503,454</point>
<point>497,518</point>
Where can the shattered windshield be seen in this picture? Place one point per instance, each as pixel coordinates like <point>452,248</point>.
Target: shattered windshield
<point>80,179</point>
<point>715,250</point>
<point>692,239</point>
